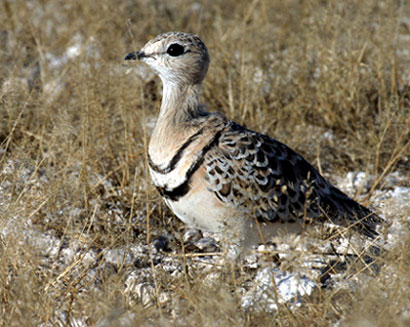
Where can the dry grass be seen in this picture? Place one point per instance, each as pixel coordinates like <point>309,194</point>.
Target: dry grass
<point>73,135</point>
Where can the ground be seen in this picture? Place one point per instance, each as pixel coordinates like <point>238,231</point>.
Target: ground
<point>85,239</point>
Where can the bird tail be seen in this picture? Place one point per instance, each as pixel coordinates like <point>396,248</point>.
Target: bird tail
<point>342,210</point>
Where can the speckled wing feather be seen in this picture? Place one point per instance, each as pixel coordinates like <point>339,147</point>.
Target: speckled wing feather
<point>273,183</point>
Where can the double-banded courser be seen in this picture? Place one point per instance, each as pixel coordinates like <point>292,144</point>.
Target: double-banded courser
<point>217,175</point>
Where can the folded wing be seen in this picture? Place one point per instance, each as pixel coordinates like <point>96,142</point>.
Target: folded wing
<point>273,183</point>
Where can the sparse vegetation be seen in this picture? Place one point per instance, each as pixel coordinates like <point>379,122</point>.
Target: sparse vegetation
<point>330,79</point>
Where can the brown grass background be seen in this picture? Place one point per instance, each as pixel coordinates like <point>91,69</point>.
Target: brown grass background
<point>75,120</point>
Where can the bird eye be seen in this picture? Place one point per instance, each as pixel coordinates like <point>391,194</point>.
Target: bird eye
<point>175,50</point>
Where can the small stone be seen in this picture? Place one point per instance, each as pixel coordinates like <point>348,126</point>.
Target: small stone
<point>206,244</point>
<point>191,236</point>
<point>161,243</point>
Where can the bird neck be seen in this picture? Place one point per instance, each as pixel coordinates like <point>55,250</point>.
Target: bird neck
<point>180,103</point>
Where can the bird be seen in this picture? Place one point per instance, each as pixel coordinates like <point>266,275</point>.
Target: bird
<point>218,176</point>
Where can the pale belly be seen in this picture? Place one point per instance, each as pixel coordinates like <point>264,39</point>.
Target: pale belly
<point>200,208</point>
<point>200,211</point>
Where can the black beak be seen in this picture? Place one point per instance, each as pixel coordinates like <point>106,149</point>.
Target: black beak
<point>134,55</point>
